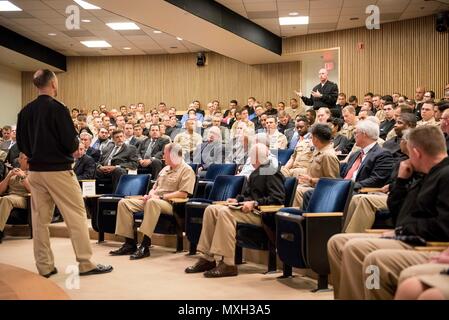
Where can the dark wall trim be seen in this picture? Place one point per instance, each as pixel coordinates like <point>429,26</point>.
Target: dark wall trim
<point>14,41</point>
<point>225,18</point>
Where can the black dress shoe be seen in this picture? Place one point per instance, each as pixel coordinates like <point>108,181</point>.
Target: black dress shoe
<point>98,270</point>
<point>201,265</point>
<point>48,275</point>
<point>1,236</point>
<point>141,252</point>
<point>222,270</point>
<point>125,249</point>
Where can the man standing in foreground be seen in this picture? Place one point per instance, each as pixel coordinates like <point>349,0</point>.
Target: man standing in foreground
<point>46,134</point>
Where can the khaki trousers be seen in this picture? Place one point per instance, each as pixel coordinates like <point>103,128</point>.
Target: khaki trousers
<point>362,212</point>
<point>347,253</point>
<point>60,188</point>
<point>299,195</point>
<point>152,209</point>
<point>293,172</point>
<point>429,274</point>
<point>7,203</point>
<point>219,231</point>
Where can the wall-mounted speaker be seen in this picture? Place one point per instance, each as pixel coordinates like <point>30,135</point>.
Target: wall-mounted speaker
<point>442,21</point>
<point>201,59</point>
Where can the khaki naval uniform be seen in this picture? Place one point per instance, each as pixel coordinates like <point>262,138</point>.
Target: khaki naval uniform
<point>14,198</point>
<point>188,142</point>
<point>430,275</point>
<point>431,122</point>
<point>380,114</point>
<point>324,163</point>
<point>362,211</point>
<point>169,180</point>
<point>277,140</point>
<point>347,131</point>
<point>300,110</point>
<point>300,160</point>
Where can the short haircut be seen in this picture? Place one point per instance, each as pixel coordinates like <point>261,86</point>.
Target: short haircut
<point>43,77</point>
<point>282,113</point>
<point>443,105</point>
<point>302,118</point>
<point>341,94</point>
<point>353,99</point>
<point>155,125</point>
<point>405,108</point>
<point>349,109</point>
<point>409,119</point>
<point>429,139</point>
<point>76,109</point>
<point>82,118</point>
<point>293,99</point>
<point>387,98</point>
<point>370,128</point>
<point>336,122</point>
<point>274,118</point>
<point>369,94</point>
<point>252,98</point>
<point>116,132</point>
<point>325,109</point>
<point>430,102</point>
<point>432,94</point>
<point>322,132</point>
<point>174,148</point>
<point>137,125</point>
<point>370,104</point>
<point>7,128</point>
<point>233,101</point>
<point>86,134</point>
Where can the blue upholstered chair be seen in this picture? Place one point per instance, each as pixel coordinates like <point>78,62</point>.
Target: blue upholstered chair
<point>225,187</point>
<point>215,170</point>
<point>302,236</point>
<point>283,155</point>
<point>263,237</point>
<point>105,218</point>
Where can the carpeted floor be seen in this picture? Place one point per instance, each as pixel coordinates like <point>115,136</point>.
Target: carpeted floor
<point>160,276</point>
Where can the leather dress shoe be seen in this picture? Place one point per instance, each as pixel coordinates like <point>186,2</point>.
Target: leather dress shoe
<point>48,275</point>
<point>125,249</point>
<point>140,253</point>
<point>1,236</point>
<point>222,270</point>
<point>201,265</point>
<point>98,270</point>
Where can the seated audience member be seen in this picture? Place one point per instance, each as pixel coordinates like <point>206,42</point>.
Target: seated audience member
<point>371,165</point>
<point>294,109</point>
<point>75,113</point>
<point>237,148</point>
<point>86,139</point>
<point>8,142</point>
<point>216,122</point>
<point>324,163</point>
<point>388,124</point>
<point>199,114</point>
<point>192,116</point>
<point>439,109</point>
<point>12,156</point>
<point>290,132</point>
<point>106,121</point>
<point>248,168</point>
<point>95,125</point>
<point>367,106</point>
<point>207,121</point>
<point>419,208</point>
<point>301,157</point>
<point>341,103</point>
<point>138,133</point>
<point>13,190</point>
<point>427,115</point>
<point>284,121</point>
<point>84,166</point>
<point>428,281</point>
<point>403,122</point>
<point>165,120</point>
<point>151,151</point>
<point>116,158</point>
<point>82,125</point>
<point>368,97</point>
<point>130,139</point>
<point>189,140</point>
<point>364,114</point>
<point>350,122</point>
<point>281,106</point>
<point>211,151</point>
<point>120,122</point>
<point>257,119</point>
<point>243,118</point>
<point>322,115</point>
<point>445,126</point>
<point>277,140</point>
<point>102,140</point>
<point>176,180</point>
<point>270,110</point>
<point>162,128</point>
<point>354,102</point>
<point>362,208</point>
<point>217,241</point>
<point>311,116</point>
<point>341,144</point>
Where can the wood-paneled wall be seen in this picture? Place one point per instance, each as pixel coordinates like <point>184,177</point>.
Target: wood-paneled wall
<point>174,79</point>
<point>398,57</point>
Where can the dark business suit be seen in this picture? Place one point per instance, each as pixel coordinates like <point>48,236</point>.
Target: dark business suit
<point>94,154</point>
<point>125,158</point>
<point>134,142</point>
<point>84,168</point>
<point>374,171</point>
<point>289,133</point>
<point>156,155</point>
<point>208,153</point>
<point>329,98</point>
<point>13,155</point>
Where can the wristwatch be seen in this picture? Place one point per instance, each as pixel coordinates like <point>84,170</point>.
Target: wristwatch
<point>256,204</point>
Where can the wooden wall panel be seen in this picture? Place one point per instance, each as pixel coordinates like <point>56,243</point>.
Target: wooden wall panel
<point>175,79</point>
<point>398,57</point>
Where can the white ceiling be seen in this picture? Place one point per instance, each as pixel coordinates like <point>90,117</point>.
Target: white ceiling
<point>41,17</point>
<point>329,15</point>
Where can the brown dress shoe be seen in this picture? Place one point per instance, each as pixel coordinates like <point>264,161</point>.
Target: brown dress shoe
<point>222,270</point>
<point>201,265</point>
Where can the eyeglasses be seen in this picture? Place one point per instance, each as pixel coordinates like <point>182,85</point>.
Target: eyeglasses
<point>427,96</point>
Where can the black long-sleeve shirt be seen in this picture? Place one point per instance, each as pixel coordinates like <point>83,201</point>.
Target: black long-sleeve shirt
<point>46,134</point>
<point>329,98</point>
<point>421,206</point>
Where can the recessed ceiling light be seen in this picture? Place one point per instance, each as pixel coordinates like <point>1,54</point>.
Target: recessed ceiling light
<point>157,31</point>
<point>178,38</point>
<point>8,6</point>
<point>96,44</point>
<point>52,34</point>
<point>126,48</point>
<point>293,14</point>
<point>85,20</point>
<point>290,21</point>
<point>123,26</point>
<point>87,5</point>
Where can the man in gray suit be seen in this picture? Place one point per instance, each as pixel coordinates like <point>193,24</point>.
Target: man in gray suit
<point>116,158</point>
<point>151,151</point>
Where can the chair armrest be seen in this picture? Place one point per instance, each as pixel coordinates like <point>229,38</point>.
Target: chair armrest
<point>322,214</point>
<point>178,200</point>
<point>437,244</point>
<point>368,190</point>
<point>270,209</point>
<point>94,196</point>
<point>430,248</point>
<point>377,231</point>
<point>87,180</point>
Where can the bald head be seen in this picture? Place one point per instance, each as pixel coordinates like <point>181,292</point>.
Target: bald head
<point>323,74</point>
<point>259,154</point>
<point>46,82</point>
